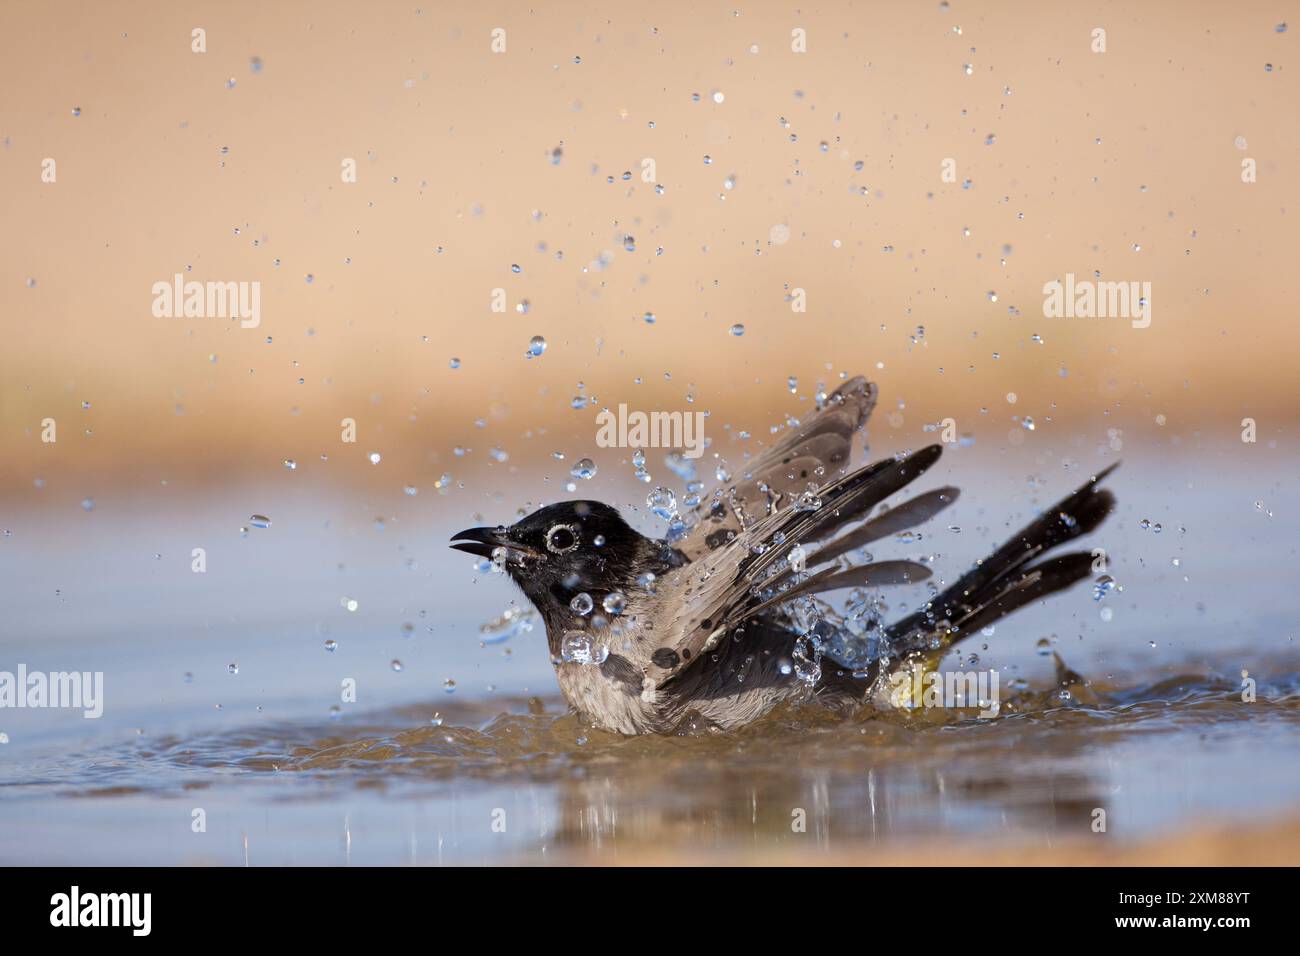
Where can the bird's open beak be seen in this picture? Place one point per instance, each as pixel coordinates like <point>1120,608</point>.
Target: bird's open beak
<point>478,541</point>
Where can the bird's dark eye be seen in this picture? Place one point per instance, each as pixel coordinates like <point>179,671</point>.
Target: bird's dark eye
<point>561,539</point>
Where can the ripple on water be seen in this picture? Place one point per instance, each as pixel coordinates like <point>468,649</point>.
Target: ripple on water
<point>1056,752</point>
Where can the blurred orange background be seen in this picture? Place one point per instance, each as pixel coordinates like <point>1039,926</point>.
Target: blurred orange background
<point>225,166</point>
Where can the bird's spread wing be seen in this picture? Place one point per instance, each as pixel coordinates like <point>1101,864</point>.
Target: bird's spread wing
<point>815,450</point>
<point>699,603</point>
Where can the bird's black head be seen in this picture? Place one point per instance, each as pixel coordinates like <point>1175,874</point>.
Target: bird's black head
<point>563,550</point>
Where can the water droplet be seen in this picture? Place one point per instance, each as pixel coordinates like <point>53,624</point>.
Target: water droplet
<point>737,330</point>
<point>232,668</point>
<point>536,345</point>
<point>260,521</point>
<point>808,501</point>
<point>454,363</point>
<point>662,502</point>
<point>577,647</point>
<point>585,468</point>
<point>331,646</point>
<point>582,604</point>
<point>396,664</point>
<point>614,602</point>
<point>1044,647</point>
<point>798,558</point>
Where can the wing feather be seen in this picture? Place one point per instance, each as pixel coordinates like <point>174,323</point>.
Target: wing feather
<point>815,449</point>
<point>699,600</point>
<point>909,514</point>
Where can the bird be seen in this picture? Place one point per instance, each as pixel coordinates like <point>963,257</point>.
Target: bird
<point>718,624</point>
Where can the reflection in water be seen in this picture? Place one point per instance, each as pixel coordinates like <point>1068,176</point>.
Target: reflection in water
<point>535,784</point>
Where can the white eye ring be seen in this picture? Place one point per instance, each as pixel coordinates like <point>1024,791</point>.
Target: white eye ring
<point>552,547</point>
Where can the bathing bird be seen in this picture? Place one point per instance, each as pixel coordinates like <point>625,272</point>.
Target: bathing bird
<point>718,623</point>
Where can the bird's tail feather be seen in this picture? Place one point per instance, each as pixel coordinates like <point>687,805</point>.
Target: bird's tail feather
<point>1011,577</point>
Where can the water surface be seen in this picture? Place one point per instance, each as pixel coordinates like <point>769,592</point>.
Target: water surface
<point>1152,728</point>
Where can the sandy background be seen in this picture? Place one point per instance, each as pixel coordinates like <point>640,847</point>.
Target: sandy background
<point>222,164</point>
<point>1273,844</point>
